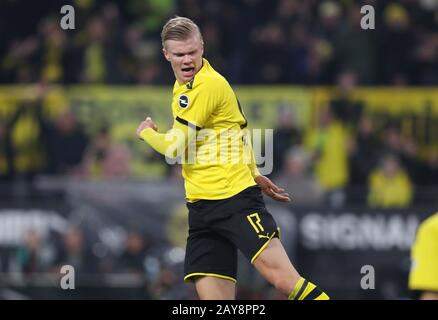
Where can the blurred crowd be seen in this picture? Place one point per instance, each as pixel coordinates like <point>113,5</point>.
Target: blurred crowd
<point>334,165</point>
<point>248,41</point>
<point>34,142</point>
<point>346,158</point>
<point>136,270</point>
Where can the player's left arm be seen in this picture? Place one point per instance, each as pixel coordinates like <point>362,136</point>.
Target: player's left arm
<point>268,187</point>
<point>190,117</point>
<point>172,143</point>
<point>252,164</point>
<point>271,189</point>
<point>429,295</point>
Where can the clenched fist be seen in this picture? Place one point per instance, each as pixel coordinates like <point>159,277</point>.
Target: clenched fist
<point>147,123</point>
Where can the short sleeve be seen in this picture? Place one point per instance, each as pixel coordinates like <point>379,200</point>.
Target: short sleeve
<point>194,107</point>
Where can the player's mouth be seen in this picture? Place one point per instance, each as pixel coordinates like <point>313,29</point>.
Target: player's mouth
<point>188,72</point>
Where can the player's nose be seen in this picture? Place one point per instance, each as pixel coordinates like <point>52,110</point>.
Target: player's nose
<point>187,59</point>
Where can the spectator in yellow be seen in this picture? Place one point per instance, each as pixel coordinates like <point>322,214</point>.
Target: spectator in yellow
<point>423,277</point>
<point>389,185</point>
<point>328,145</point>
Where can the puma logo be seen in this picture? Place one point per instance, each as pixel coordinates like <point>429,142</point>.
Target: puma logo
<point>262,236</point>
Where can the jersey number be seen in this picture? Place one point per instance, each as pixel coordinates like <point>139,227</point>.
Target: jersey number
<point>254,219</point>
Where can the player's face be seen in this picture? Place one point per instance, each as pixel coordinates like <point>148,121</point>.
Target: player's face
<point>185,57</point>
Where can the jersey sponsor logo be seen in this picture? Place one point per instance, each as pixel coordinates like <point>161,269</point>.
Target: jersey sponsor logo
<point>183,101</point>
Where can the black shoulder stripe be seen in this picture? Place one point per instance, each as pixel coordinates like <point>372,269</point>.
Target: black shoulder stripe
<point>188,124</point>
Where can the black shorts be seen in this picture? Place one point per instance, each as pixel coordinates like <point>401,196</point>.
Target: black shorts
<point>217,228</point>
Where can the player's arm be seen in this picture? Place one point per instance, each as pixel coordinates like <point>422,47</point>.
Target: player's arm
<point>252,163</point>
<point>267,186</point>
<point>271,189</point>
<point>429,295</point>
<point>173,143</point>
<point>189,118</point>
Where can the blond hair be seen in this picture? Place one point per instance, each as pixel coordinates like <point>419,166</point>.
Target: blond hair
<point>179,28</point>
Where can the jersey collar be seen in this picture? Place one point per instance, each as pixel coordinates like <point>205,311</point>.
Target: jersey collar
<point>189,84</point>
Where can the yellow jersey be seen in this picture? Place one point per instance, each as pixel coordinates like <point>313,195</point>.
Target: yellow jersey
<point>424,255</point>
<point>208,105</point>
<point>331,168</point>
<point>395,192</point>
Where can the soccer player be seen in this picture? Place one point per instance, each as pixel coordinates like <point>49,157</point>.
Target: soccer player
<point>226,207</point>
<point>423,278</point>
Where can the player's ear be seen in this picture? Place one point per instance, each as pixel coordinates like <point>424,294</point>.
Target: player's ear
<point>166,54</point>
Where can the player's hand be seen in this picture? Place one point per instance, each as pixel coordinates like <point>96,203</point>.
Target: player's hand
<point>147,123</point>
<point>271,189</point>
